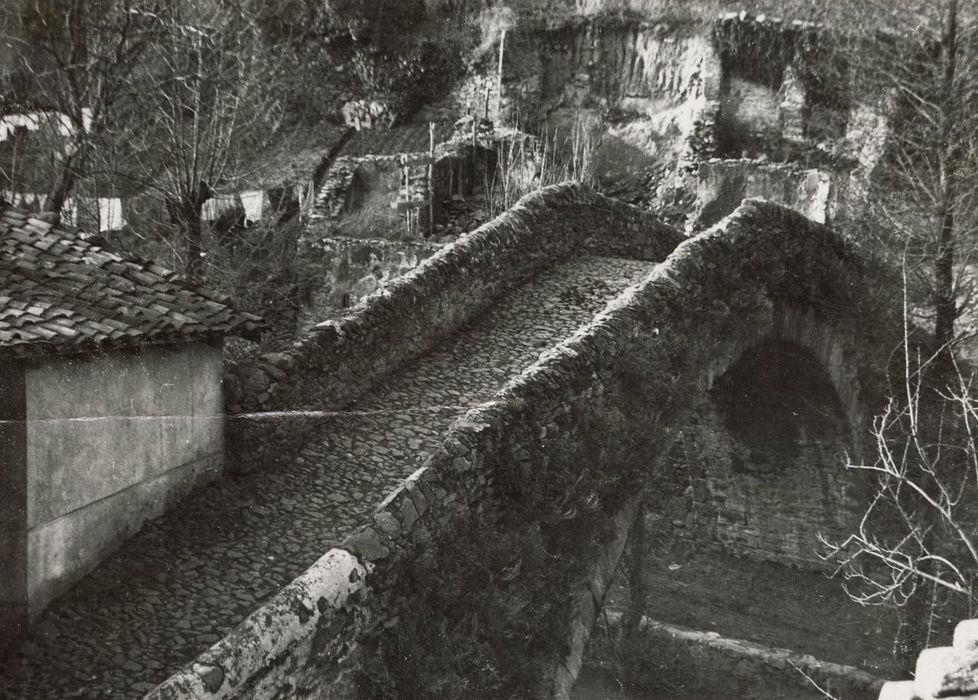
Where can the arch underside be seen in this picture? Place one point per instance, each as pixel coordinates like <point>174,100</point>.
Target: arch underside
<point>759,469</point>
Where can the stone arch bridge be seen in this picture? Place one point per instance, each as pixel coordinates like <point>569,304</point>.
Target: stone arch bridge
<point>528,349</point>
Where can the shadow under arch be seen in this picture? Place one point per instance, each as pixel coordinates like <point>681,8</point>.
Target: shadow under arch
<point>759,469</point>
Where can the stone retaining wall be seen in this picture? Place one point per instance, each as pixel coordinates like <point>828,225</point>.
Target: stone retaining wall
<point>350,269</point>
<point>674,657</point>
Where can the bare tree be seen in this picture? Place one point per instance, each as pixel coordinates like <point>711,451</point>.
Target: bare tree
<point>74,60</point>
<point>916,543</point>
<point>201,107</point>
<point>924,59</point>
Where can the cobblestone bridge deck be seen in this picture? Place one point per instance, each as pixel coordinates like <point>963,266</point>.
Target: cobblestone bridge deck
<point>189,577</point>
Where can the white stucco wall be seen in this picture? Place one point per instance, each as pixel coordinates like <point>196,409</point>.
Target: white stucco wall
<point>113,439</point>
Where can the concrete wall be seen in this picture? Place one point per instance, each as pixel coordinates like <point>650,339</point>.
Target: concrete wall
<point>112,440</point>
<point>13,501</point>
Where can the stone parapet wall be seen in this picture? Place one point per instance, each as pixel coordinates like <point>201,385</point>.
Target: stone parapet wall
<point>338,359</point>
<point>550,403</point>
<point>276,651</point>
<point>745,259</point>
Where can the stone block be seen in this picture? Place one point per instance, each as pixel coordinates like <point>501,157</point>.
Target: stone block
<point>366,544</point>
<point>897,690</point>
<point>211,676</point>
<point>418,497</point>
<point>946,672</point>
<point>388,523</point>
<point>408,512</point>
<point>966,635</point>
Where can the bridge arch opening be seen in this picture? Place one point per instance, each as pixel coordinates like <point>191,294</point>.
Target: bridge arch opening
<point>759,470</point>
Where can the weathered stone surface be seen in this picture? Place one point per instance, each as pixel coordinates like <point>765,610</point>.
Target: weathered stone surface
<point>251,658</point>
<point>434,298</point>
<point>944,672</point>
<point>966,635</point>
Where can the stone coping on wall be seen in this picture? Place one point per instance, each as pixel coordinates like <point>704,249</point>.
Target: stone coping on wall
<point>232,667</point>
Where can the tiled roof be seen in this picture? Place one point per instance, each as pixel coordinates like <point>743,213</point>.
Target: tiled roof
<point>59,293</point>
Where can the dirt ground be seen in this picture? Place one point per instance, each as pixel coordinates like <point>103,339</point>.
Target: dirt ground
<point>770,604</point>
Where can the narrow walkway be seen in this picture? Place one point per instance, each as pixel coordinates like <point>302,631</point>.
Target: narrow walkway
<point>192,575</point>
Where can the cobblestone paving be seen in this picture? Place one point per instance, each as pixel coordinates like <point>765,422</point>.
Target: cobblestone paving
<point>187,578</point>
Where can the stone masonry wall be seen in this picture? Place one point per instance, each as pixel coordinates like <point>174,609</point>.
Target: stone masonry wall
<point>354,268</point>
<point>722,184</point>
<point>716,345</point>
<point>339,358</point>
<point>765,497</point>
<point>685,324</point>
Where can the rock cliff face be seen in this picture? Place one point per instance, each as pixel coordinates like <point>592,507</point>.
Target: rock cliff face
<point>630,91</point>
<point>642,85</point>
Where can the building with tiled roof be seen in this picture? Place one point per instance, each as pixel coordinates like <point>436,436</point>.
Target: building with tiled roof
<point>111,402</point>
<point>59,293</point>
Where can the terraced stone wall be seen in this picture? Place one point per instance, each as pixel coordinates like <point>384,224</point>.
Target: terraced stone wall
<point>338,359</point>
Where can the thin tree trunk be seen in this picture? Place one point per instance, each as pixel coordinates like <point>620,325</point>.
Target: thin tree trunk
<point>919,613</point>
<point>64,183</point>
<point>188,215</point>
<point>637,588</point>
<point>945,305</point>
